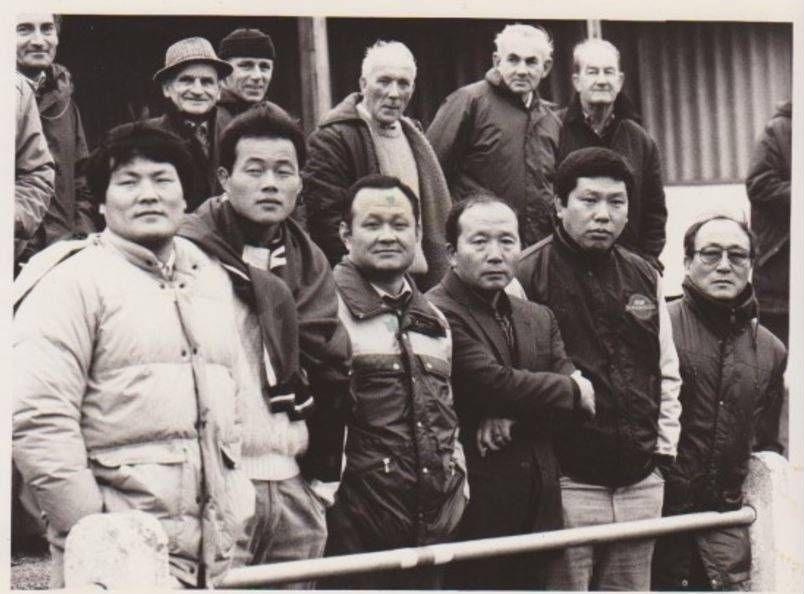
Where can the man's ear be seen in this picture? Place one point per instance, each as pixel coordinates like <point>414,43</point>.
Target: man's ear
<point>548,65</point>
<point>559,207</point>
<point>165,87</point>
<point>452,255</point>
<point>576,81</point>
<point>223,177</point>
<point>345,233</point>
<point>361,83</point>
<point>495,59</point>
<point>102,208</point>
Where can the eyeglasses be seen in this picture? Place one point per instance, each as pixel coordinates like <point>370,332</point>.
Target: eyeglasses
<point>715,256</point>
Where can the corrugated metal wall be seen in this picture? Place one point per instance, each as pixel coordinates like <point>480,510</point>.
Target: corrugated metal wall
<point>706,90</point>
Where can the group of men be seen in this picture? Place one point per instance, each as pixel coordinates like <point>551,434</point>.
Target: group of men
<point>284,348</point>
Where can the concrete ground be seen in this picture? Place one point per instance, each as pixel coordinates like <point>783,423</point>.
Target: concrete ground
<point>30,571</point>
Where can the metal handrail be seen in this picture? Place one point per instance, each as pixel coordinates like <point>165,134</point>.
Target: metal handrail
<point>440,554</point>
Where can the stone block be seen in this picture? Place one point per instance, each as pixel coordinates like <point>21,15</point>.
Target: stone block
<point>778,532</point>
<point>117,550</point>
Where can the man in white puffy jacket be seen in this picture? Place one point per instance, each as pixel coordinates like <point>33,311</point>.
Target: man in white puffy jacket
<point>125,386</point>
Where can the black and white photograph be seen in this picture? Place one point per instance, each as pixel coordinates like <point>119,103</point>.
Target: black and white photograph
<point>405,296</point>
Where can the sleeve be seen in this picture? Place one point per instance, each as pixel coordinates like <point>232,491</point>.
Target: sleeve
<point>326,178</point>
<point>670,407</point>
<point>768,181</point>
<point>654,209</point>
<point>52,355</point>
<point>768,411</point>
<point>497,390</point>
<point>449,133</point>
<point>561,362</point>
<point>34,172</point>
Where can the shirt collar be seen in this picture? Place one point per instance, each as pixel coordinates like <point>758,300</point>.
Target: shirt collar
<point>606,124</point>
<point>403,295</point>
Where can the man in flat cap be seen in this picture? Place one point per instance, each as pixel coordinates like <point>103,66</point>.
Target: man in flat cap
<point>191,81</point>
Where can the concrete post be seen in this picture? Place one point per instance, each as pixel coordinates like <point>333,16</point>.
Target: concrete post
<point>119,550</point>
<point>777,534</point>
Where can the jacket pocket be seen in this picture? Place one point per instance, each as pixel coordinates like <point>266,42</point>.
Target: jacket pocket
<point>239,494</point>
<point>149,477</point>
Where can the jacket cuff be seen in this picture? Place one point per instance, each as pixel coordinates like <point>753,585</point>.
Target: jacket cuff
<point>576,396</point>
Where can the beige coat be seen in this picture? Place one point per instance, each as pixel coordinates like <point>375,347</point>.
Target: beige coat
<point>125,397</point>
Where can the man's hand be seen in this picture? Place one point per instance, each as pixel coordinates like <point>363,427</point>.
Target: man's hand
<point>493,434</point>
<point>587,400</point>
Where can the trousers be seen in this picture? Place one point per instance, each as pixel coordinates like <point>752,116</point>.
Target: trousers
<point>614,566</point>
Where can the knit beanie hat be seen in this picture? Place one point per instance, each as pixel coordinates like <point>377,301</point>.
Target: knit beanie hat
<point>251,43</point>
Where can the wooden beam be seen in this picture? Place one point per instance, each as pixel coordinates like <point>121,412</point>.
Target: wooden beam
<point>315,80</point>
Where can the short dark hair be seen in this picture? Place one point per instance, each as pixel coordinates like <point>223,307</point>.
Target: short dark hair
<point>591,162</point>
<point>692,233</point>
<point>452,228</point>
<point>124,143</point>
<point>260,121</point>
<point>380,182</point>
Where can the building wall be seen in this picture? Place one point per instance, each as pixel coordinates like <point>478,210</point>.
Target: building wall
<point>705,90</point>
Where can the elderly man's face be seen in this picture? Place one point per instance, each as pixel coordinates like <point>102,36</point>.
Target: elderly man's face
<point>250,78</point>
<point>522,63</point>
<point>194,90</point>
<point>382,237</point>
<point>488,246</point>
<point>387,88</point>
<point>599,80</point>
<point>596,212</point>
<point>721,264</point>
<point>37,40</point>
<point>144,201</point>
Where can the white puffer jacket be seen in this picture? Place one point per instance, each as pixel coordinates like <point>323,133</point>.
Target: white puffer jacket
<point>125,391</point>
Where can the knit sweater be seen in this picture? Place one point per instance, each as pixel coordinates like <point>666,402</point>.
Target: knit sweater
<point>271,441</point>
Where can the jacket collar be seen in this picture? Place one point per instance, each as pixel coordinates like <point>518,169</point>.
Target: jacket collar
<point>584,258</point>
<point>138,255</point>
<point>57,88</point>
<point>623,109</point>
<point>723,317</point>
<point>467,296</point>
<point>346,111</point>
<point>213,226</point>
<point>495,79</point>
<point>233,103</point>
<point>364,302</point>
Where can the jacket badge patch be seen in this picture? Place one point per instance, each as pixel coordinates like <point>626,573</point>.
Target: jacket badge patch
<point>640,307</point>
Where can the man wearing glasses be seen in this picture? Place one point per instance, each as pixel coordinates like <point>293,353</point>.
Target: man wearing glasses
<point>732,370</point>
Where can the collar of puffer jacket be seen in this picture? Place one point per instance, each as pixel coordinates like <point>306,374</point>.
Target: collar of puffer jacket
<point>723,317</point>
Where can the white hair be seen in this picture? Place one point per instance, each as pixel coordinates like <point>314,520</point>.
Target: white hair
<point>527,32</point>
<point>383,50</point>
<point>592,43</point>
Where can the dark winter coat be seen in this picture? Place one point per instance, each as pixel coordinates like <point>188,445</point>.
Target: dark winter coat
<point>731,398</point>
<point>647,213</point>
<point>71,209</point>
<point>405,469</point>
<point>230,106</point>
<point>768,185</point>
<point>311,337</point>
<point>205,177</point>
<point>491,381</point>
<point>340,152</point>
<point>608,311</point>
<point>488,141</point>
